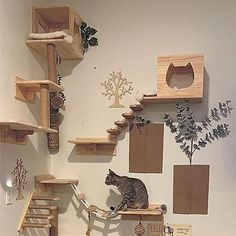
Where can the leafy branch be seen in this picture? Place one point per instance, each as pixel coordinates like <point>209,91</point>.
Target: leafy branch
<point>140,122</point>
<point>187,131</point>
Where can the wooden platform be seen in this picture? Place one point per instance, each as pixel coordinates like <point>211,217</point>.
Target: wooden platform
<point>59,181</point>
<point>12,131</point>
<point>25,90</point>
<point>66,50</point>
<point>94,146</point>
<point>160,100</point>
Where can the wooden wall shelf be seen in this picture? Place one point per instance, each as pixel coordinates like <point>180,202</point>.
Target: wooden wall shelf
<point>154,209</point>
<point>25,90</point>
<point>95,146</point>
<point>66,50</point>
<point>160,100</point>
<point>59,181</point>
<point>16,132</point>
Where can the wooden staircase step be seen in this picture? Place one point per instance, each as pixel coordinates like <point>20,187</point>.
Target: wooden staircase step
<point>43,207</point>
<point>136,107</point>
<point>45,198</point>
<point>113,131</point>
<point>121,124</point>
<point>128,115</point>
<point>39,216</point>
<point>36,225</point>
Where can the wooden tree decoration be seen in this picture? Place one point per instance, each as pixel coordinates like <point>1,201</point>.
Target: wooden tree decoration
<point>116,86</point>
<point>19,181</point>
<point>187,131</point>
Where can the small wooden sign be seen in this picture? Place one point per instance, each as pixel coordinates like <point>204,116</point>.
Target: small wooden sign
<point>178,230</point>
<point>155,229</point>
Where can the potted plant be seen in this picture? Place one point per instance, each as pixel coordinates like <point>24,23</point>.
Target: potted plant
<point>191,182</point>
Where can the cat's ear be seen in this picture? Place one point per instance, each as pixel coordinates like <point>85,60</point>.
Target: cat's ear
<point>111,172</point>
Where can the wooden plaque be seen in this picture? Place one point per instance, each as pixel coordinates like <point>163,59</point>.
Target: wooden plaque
<point>146,149</point>
<point>191,187</point>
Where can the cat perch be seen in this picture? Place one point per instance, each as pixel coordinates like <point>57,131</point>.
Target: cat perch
<point>192,64</point>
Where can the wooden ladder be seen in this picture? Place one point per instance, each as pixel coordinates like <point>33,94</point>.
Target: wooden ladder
<point>38,215</point>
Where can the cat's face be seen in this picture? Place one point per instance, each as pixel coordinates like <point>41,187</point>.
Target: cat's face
<point>111,177</point>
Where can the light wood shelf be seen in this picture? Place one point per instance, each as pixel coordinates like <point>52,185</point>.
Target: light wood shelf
<point>12,131</point>
<point>153,212</point>
<point>68,51</point>
<point>59,181</point>
<point>160,100</point>
<point>25,90</point>
<point>95,146</point>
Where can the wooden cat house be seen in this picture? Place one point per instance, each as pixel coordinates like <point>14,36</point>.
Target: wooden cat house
<point>58,26</point>
<point>180,65</point>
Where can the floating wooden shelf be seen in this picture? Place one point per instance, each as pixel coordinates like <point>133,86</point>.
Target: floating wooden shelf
<point>16,132</point>
<point>59,181</point>
<point>153,209</point>
<point>160,100</point>
<point>95,146</point>
<point>68,51</point>
<point>25,90</point>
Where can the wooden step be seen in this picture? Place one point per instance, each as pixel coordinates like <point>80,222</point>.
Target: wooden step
<point>128,115</point>
<point>136,107</point>
<point>121,124</point>
<point>39,216</point>
<point>45,198</point>
<point>113,131</point>
<point>36,225</point>
<point>43,207</point>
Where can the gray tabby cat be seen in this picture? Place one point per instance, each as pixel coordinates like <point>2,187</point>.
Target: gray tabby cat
<point>133,191</point>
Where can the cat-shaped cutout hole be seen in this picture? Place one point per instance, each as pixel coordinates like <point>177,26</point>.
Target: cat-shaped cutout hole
<point>180,77</point>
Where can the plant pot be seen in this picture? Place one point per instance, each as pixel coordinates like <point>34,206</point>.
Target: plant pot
<point>190,189</point>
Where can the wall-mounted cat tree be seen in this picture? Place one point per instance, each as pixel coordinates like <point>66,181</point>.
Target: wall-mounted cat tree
<point>168,66</point>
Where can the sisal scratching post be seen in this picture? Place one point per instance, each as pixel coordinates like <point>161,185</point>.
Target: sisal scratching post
<point>44,101</point>
<point>53,138</point>
<point>52,69</point>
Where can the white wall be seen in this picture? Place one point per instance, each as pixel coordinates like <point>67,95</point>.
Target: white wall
<point>132,34</point>
<point>16,59</point>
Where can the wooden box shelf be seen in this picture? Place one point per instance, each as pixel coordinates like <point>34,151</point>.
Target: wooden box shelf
<point>16,132</point>
<point>95,146</point>
<point>52,19</point>
<point>25,90</point>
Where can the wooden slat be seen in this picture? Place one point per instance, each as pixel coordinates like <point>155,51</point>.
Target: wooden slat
<point>136,107</point>
<point>43,207</point>
<point>39,216</point>
<point>36,225</point>
<point>45,198</point>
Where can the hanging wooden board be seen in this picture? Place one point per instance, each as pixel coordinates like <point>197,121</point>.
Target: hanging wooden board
<point>155,229</point>
<point>146,148</point>
<point>191,187</point>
